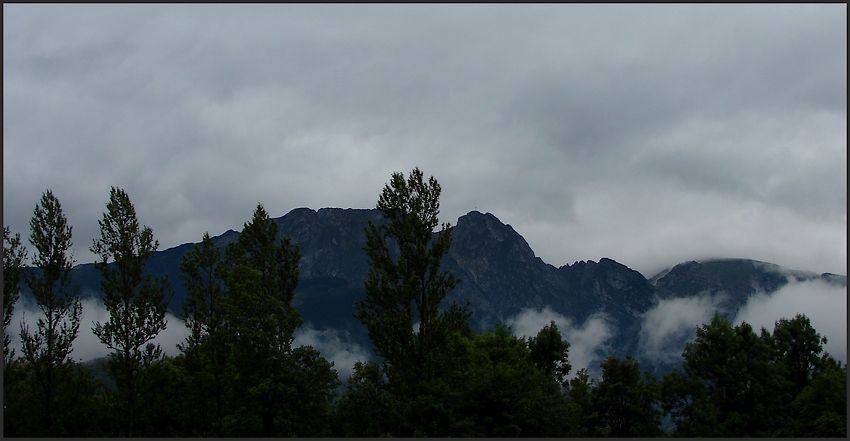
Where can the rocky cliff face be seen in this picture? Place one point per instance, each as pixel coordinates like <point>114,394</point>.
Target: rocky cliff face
<point>330,240</point>
<point>333,264</point>
<point>617,292</point>
<point>500,273</point>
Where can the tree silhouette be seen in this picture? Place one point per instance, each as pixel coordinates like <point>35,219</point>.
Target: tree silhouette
<point>136,302</point>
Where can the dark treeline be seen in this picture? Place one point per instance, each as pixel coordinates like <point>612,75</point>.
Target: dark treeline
<point>238,373</point>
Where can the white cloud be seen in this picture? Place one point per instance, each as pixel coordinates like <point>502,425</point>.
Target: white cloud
<point>87,346</point>
<point>530,321</point>
<point>587,341</point>
<point>824,304</point>
<point>671,323</point>
<point>334,346</point>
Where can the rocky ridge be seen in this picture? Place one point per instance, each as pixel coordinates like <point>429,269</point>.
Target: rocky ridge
<point>500,276</point>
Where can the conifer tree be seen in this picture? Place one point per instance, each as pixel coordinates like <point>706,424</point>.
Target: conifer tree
<point>136,302</point>
<point>583,418</point>
<point>626,400</point>
<point>205,347</point>
<point>13,260</point>
<point>261,273</point>
<point>727,385</point>
<point>48,348</point>
<point>549,352</point>
<point>14,255</point>
<point>798,348</point>
<point>405,289</point>
<point>202,309</point>
<point>820,409</point>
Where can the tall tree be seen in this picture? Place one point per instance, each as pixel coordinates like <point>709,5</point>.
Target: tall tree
<point>368,407</point>
<point>798,356</point>
<point>626,400</point>
<point>202,308</point>
<point>505,393</point>
<point>258,257</point>
<point>583,418</point>
<point>14,255</point>
<point>49,347</point>
<point>728,385</point>
<point>798,348</point>
<point>273,383</point>
<point>13,260</point>
<point>136,302</point>
<point>820,409</point>
<point>405,286</point>
<point>549,352</point>
<point>205,347</point>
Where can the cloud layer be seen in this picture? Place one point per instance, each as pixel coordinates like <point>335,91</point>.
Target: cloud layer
<point>668,326</point>
<point>87,346</point>
<point>334,345</point>
<point>665,330</point>
<point>671,323</point>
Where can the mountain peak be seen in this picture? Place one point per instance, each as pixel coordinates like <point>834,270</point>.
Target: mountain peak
<point>691,278</point>
<point>477,216</point>
<point>477,229</point>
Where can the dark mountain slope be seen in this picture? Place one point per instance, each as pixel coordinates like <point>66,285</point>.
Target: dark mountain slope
<point>500,273</point>
<point>500,276</point>
<point>333,264</point>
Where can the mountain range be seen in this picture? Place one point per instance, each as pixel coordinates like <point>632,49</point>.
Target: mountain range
<point>500,277</point>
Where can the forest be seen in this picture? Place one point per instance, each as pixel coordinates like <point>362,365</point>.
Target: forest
<point>238,372</point>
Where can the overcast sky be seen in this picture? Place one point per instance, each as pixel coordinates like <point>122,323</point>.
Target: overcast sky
<point>649,134</point>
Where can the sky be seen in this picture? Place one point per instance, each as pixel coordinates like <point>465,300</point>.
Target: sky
<point>648,134</point>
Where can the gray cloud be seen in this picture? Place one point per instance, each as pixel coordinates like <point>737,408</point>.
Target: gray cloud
<point>650,134</point>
